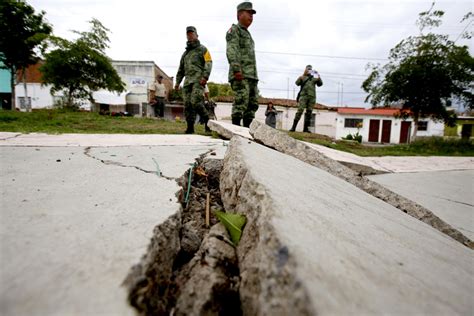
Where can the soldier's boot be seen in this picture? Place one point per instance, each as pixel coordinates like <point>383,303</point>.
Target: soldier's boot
<point>307,122</point>
<point>247,122</point>
<point>293,128</point>
<point>236,121</point>
<point>190,127</point>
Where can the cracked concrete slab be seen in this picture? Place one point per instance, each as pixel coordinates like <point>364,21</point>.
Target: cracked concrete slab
<point>72,225</point>
<point>448,194</point>
<point>227,130</point>
<point>323,246</point>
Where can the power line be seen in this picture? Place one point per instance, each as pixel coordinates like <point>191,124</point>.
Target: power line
<point>321,56</point>
<point>462,31</point>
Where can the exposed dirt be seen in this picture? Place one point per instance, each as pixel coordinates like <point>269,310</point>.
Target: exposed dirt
<point>189,268</point>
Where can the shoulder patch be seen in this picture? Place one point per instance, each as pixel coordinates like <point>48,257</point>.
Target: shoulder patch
<point>207,56</point>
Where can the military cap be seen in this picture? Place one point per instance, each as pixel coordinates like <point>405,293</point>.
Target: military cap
<point>309,67</point>
<point>246,6</point>
<point>191,29</point>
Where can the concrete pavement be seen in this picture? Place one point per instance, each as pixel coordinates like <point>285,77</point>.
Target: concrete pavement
<point>77,211</point>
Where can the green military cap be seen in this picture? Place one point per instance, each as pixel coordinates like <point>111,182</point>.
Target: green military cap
<point>309,67</point>
<point>246,6</point>
<point>191,29</point>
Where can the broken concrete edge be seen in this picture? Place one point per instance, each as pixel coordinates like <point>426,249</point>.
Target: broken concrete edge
<point>228,130</point>
<point>269,284</point>
<point>283,143</point>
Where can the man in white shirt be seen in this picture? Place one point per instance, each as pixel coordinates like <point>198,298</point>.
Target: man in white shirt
<point>160,94</point>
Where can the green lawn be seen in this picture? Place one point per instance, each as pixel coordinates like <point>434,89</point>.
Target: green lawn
<point>64,121</point>
<point>434,146</point>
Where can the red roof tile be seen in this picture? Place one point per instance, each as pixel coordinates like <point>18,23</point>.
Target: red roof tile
<point>374,111</point>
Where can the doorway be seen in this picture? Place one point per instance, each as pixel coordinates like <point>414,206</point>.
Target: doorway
<point>374,128</point>
<point>405,131</point>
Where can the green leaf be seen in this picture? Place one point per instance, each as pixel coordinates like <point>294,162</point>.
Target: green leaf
<point>234,223</point>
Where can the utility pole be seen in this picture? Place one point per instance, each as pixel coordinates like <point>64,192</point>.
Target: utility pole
<point>287,88</point>
<point>342,94</point>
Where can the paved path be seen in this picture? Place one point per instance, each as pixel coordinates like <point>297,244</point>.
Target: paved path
<point>74,219</point>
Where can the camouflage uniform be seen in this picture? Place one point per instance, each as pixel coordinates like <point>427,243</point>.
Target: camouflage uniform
<point>195,64</point>
<point>306,100</point>
<point>241,58</point>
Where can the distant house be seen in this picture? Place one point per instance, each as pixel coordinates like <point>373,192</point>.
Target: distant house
<point>138,76</point>
<point>464,128</point>
<point>5,88</point>
<point>322,122</point>
<point>379,125</point>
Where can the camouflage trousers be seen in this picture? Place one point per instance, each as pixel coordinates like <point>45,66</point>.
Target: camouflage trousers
<point>193,95</point>
<point>304,103</point>
<point>246,99</point>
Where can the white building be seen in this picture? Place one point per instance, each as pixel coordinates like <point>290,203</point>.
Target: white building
<point>379,125</point>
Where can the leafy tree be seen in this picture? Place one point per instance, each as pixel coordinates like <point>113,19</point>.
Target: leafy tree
<point>23,33</point>
<point>78,68</point>
<point>219,89</point>
<point>425,73</point>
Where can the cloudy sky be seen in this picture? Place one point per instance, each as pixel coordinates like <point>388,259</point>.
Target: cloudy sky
<point>339,38</point>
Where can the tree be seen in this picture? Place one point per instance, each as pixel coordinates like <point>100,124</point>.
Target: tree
<point>78,68</point>
<point>21,39</point>
<point>219,89</point>
<point>425,73</point>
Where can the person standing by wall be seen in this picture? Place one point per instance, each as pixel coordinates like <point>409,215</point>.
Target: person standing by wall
<point>271,114</point>
<point>306,97</point>
<point>195,66</point>
<point>243,76</point>
<point>159,98</point>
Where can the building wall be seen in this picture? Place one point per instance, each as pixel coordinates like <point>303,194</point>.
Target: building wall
<point>40,95</point>
<point>5,80</point>
<point>324,119</point>
<point>433,128</point>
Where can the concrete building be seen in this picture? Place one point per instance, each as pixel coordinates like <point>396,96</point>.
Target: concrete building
<point>138,76</point>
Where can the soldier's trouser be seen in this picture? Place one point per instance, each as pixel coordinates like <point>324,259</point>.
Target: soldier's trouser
<point>160,106</point>
<point>304,104</point>
<point>193,95</point>
<point>246,99</point>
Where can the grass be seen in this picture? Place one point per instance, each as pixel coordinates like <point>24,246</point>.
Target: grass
<point>433,146</point>
<point>66,121</point>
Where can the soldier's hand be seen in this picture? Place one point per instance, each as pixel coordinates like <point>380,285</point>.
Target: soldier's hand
<point>203,82</point>
<point>238,76</point>
<point>176,87</point>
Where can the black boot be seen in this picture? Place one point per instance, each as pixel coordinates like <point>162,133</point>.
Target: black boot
<point>247,122</point>
<point>236,121</point>
<point>293,128</point>
<point>190,127</point>
<point>206,128</point>
<point>307,122</point>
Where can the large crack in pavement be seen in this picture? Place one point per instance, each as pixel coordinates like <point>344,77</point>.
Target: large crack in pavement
<point>189,268</point>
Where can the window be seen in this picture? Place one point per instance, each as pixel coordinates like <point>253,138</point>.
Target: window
<point>423,125</point>
<point>23,103</point>
<point>355,123</point>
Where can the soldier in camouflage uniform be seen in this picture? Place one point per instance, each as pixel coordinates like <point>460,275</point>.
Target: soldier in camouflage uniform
<point>306,97</point>
<point>195,66</point>
<point>242,66</point>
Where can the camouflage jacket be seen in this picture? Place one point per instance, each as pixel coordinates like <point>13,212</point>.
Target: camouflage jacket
<point>241,53</point>
<point>309,89</point>
<point>195,64</point>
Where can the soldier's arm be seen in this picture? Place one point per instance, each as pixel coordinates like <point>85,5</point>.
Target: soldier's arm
<point>180,74</point>
<point>299,81</point>
<point>207,64</point>
<point>319,81</point>
<point>232,51</point>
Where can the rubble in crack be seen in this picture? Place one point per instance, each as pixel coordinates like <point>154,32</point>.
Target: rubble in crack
<point>189,268</point>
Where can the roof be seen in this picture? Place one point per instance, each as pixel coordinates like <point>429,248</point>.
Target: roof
<point>33,74</point>
<point>374,111</point>
<point>277,102</point>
